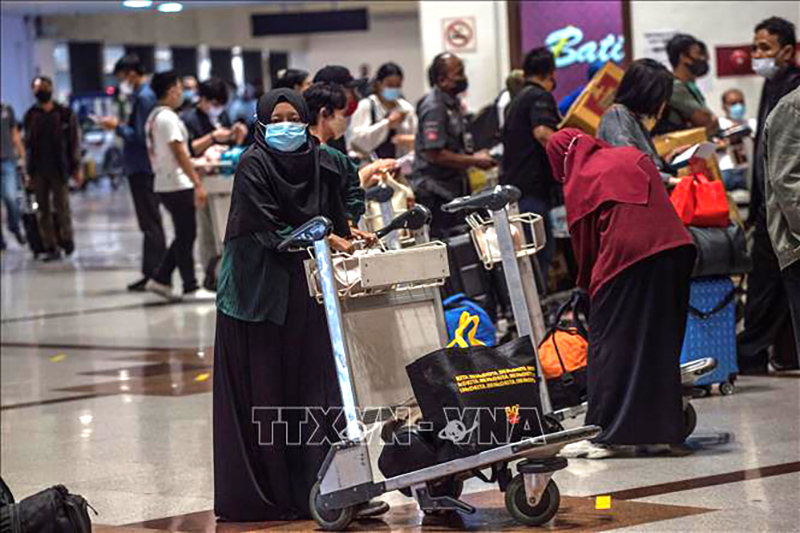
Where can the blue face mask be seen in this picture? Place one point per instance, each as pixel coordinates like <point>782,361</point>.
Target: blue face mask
<point>737,111</point>
<point>391,94</point>
<point>285,136</point>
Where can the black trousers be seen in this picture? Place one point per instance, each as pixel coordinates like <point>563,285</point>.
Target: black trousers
<point>180,205</point>
<point>791,279</point>
<point>637,321</point>
<point>766,314</point>
<point>145,202</point>
<point>54,188</point>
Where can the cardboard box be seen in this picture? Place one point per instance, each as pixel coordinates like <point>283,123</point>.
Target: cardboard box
<point>669,141</point>
<point>588,109</point>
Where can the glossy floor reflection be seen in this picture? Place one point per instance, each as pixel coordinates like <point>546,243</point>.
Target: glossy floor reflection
<point>108,392</point>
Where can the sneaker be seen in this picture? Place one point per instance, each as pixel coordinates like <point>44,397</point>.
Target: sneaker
<point>165,291</point>
<point>138,286</point>
<point>201,295</point>
<point>590,450</point>
<point>68,247</point>
<point>49,257</point>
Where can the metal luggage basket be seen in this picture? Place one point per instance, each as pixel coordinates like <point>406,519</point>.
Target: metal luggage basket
<point>371,272</point>
<point>484,236</point>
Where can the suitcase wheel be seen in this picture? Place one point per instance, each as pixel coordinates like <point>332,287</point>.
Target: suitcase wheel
<point>689,420</point>
<point>726,388</point>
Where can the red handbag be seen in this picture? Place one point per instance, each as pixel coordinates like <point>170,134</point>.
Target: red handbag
<point>700,202</point>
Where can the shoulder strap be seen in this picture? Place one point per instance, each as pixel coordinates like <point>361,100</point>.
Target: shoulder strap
<point>372,112</point>
<point>703,315</point>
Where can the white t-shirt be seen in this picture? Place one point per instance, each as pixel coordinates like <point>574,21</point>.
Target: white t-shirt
<point>163,127</point>
<point>364,135</point>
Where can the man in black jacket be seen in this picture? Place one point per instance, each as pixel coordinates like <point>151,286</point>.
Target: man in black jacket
<point>52,145</point>
<point>767,318</point>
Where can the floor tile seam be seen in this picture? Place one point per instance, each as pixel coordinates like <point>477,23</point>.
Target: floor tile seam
<point>683,485</point>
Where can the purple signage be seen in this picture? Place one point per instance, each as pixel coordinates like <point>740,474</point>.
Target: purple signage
<point>578,33</point>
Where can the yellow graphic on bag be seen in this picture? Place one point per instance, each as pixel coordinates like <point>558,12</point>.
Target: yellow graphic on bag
<point>464,322</point>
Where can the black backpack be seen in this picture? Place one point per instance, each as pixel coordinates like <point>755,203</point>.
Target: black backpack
<point>52,510</point>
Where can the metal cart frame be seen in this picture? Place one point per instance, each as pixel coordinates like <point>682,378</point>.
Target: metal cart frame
<point>346,479</point>
<point>501,201</point>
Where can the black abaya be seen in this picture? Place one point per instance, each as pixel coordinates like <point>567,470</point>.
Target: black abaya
<point>263,365</point>
<point>637,323</point>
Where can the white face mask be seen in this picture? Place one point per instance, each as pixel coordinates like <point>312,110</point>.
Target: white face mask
<point>126,88</point>
<point>764,66</point>
<point>214,112</point>
<point>338,125</point>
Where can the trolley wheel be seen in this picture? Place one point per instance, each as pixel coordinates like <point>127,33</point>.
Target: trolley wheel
<point>328,519</point>
<point>526,514</point>
<point>726,388</point>
<point>689,420</point>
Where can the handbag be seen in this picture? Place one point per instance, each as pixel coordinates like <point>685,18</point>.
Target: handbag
<point>700,202</point>
<point>479,397</point>
<point>720,251</point>
<point>53,510</point>
<point>564,354</point>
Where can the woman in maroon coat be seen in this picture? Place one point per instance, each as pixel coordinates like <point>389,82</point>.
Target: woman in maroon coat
<point>635,259</point>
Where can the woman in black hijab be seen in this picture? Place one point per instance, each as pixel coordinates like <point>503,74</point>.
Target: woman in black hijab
<point>272,348</point>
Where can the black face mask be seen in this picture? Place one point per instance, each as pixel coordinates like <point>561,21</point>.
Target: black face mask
<point>460,85</point>
<point>43,96</point>
<point>698,68</point>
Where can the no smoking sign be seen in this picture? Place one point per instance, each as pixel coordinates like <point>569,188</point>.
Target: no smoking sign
<point>459,34</point>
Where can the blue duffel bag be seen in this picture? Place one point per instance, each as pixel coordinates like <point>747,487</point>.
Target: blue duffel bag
<point>455,305</point>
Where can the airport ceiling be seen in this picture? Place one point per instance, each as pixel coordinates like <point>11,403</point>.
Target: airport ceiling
<point>73,7</point>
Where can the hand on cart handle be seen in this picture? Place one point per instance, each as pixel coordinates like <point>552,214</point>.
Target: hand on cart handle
<point>315,229</point>
<point>369,238</point>
<point>491,199</point>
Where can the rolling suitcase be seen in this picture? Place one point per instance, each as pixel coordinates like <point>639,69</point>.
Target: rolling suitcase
<point>711,330</point>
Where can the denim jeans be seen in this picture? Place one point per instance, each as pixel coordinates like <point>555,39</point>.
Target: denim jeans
<point>10,191</point>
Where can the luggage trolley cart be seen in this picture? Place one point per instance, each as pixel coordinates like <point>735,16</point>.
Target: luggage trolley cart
<point>501,239</point>
<point>346,479</point>
<point>219,187</point>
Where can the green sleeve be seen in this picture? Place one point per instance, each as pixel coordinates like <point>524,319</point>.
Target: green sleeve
<point>684,101</point>
<point>354,201</point>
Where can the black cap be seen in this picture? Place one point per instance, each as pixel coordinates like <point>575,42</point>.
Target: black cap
<point>335,74</point>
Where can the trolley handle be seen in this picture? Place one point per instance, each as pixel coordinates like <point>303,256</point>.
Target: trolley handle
<point>492,199</point>
<point>413,219</point>
<point>314,230</point>
<point>379,193</point>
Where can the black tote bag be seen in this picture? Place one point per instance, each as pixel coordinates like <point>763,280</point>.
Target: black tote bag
<point>480,397</point>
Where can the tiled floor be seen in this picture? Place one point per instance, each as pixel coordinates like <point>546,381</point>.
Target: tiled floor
<point>109,393</point>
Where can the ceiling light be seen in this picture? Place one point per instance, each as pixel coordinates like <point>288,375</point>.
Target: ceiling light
<point>170,7</point>
<point>137,4</point>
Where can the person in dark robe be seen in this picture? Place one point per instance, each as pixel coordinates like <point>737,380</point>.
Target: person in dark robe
<point>272,355</point>
<point>635,259</point>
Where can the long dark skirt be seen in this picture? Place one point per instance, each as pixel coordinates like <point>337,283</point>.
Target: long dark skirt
<point>261,470</point>
<point>637,323</point>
